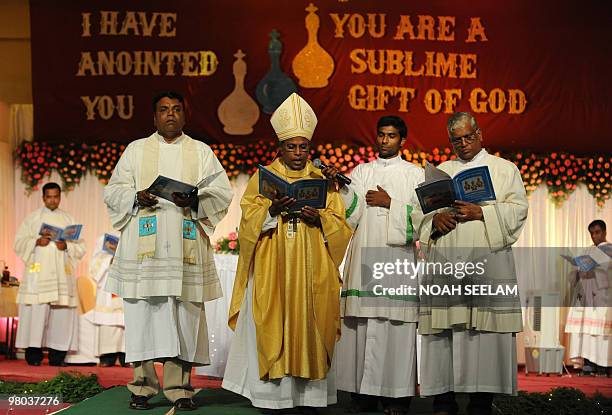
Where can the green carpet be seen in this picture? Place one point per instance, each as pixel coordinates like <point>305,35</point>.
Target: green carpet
<point>210,401</point>
<point>221,402</point>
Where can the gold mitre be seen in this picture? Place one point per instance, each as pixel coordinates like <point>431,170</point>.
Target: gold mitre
<point>294,118</point>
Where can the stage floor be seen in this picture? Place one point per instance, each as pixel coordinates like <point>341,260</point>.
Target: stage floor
<point>218,401</point>
<point>19,371</point>
<point>210,402</point>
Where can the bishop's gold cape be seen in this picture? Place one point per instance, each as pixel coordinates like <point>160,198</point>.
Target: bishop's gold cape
<point>296,283</point>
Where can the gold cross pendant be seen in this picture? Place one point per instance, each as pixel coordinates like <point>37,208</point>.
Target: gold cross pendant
<point>292,227</point>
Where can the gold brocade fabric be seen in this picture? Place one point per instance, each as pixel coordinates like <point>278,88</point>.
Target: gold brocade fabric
<point>296,283</point>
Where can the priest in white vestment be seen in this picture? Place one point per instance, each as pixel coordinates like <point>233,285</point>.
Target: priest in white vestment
<point>590,318</point>
<point>163,267</point>
<point>377,349</point>
<point>468,343</point>
<point>47,295</point>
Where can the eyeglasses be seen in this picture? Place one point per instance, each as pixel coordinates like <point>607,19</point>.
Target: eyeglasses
<point>467,139</point>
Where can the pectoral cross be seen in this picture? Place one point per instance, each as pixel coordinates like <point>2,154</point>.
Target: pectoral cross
<point>292,227</point>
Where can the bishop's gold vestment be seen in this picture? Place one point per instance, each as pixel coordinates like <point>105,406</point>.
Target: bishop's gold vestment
<point>296,283</point>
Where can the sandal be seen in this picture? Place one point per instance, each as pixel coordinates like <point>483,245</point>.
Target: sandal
<point>185,404</point>
<point>139,402</point>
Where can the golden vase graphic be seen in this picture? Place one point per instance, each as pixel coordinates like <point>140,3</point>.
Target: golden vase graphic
<point>238,112</point>
<point>313,66</point>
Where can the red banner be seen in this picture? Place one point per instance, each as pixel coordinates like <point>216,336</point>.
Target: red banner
<point>535,74</point>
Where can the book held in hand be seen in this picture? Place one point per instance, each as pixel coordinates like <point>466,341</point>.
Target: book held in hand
<point>439,190</point>
<point>109,245</point>
<point>306,192</point>
<point>164,186</point>
<point>69,233</point>
<point>594,258</point>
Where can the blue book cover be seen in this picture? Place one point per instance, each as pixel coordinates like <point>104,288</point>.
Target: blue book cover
<point>440,190</point>
<point>50,231</point>
<point>585,263</point>
<point>70,233</point>
<point>474,185</point>
<point>306,192</point>
<point>109,245</point>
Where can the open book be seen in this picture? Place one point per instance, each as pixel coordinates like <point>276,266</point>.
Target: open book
<point>439,190</point>
<point>306,192</point>
<point>595,257</point>
<point>164,186</point>
<point>109,245</point>
<point>69,233</point>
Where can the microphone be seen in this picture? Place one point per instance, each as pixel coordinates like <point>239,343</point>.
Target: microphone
<point>340,177</point>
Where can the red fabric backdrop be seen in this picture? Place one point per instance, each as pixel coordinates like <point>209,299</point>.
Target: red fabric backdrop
<point>556,52</point>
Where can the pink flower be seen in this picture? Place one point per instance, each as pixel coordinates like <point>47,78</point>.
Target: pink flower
<point>232,245</point>
<point>233,236</point>
<point>218,247</point>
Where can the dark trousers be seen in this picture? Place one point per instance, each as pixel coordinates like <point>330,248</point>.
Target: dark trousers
<point>371,401</point>
<point>35,355</point>
<point>480,403</point>
<point>109,359</point>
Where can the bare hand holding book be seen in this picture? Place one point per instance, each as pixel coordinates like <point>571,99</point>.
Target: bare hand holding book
<point>306,192</point>
<point>164,186</point>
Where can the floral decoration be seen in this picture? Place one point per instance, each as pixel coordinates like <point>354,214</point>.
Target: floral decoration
<point>228,244</point>
<point>560,172</point>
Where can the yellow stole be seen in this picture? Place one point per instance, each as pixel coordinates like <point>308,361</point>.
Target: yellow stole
<point>147,217</point>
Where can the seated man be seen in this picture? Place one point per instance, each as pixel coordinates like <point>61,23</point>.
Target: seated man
<point>107,316</point>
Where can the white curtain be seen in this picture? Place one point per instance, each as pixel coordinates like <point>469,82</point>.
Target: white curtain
<point>16,124</point>
<point>21,124</point>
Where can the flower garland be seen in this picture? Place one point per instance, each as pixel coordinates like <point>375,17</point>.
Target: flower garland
<point>560,172</point>
<point>102,159</point>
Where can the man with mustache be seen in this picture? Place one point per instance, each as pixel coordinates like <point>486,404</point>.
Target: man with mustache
<point>468,343</point>
<point>163,266</point>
